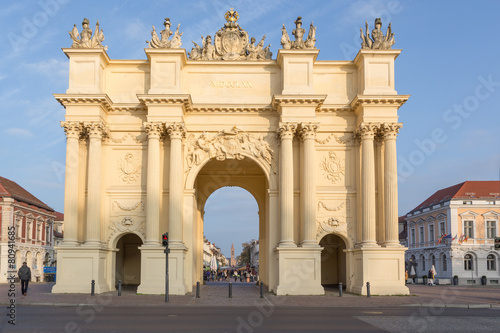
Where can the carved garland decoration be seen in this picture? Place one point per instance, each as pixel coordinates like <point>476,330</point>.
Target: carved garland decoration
<point>129,208</point>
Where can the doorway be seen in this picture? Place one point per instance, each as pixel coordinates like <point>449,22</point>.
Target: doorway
<point>128,260</point>
<point>333,261</point>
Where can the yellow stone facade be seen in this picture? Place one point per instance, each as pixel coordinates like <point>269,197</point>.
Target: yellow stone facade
<point>314,141</point>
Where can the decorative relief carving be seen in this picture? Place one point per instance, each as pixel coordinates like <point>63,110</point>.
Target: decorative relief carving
<point>332,167</point>
<point>162,41</point>
<point>336,138</point>
<point>308,130</point>
<point>136,138</point>
<point>389,130</point>
<point>286,130</point>
<point>129,208</point>
<point>226,145</point>
<point>129,168</point>
<point>96,129</point>
<point>330,225</point>
<point>230,43</point>
<point>127,225</point>
<point>377,40</point>
<point>321,204</point>
<point>85,40</point>
<point>298,32</point>
<point>176,131</point>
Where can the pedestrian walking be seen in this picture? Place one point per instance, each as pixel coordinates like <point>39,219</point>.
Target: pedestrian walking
<point>431,277</point>
<point>24,274</point>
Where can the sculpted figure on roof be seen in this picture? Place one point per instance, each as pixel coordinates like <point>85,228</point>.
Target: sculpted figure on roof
<point>162,41</point>
<point>298,33</point>
<point>377,41</point>
<point>85,40</point>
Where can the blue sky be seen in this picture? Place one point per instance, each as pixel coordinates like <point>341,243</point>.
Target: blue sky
<point>449,64</point>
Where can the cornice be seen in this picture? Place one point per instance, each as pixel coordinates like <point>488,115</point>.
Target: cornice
<point>379,100</point>
<point>177,99</point>
<point>298,100</point>
<point>217,108</point>
<point>334,109</point>
<point>81,99</point>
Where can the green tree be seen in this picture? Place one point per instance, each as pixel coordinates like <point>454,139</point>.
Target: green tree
<point>244,257</point>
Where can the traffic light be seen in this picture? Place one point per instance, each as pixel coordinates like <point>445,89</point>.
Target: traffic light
<point>164,239</point>
<point>497,243</point>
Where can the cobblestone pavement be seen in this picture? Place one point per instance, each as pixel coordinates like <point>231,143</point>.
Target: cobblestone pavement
<point>247,294</point>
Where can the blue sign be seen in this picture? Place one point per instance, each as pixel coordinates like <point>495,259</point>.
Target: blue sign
<point>49,270</point>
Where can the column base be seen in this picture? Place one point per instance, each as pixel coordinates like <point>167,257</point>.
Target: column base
<point>299,271</point>
<point>369,244</point>
<point>289,244</point>
<point>392,244</point>
<point>384,268</point>
<point>78,266</point>
<point>153,271</point>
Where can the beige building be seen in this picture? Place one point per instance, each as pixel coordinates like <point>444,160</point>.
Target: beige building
<point>454,230</point>
<point>313,141</point>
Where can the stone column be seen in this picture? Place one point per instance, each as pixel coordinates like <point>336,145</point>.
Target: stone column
<point>368,217</point>
<point>286,132</point>
<point>176,133</point>
<point>390,133</point>
<point>73,131</point>
<point>96,130</point>
<point>308,192</point>
<point>379,187</point>
<point>155,131</point>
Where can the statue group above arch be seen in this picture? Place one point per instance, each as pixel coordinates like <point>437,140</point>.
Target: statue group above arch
<point>377,40</point>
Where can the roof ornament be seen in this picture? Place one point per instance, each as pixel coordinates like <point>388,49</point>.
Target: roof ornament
<point>377,41</point>
<point>162,41</point>
<point>85,40</point>
<point>231,42</point>
<point>298,33</point>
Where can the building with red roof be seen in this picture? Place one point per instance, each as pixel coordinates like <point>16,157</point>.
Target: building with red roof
<point>26,231</point>
<point>454,231</point>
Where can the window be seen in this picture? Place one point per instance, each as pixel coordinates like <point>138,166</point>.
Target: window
<point>47,235</point>
<point>423,263</point>
<point>490,262</point>
<point>431,233</point>
<point>468,262</point>
<point>467,202</point>
<point>38,226</point>
<point>442,228</point>
<point>28,230</point>
<point>413,236</point>
<point>421,235</point>
<point>444,264</point>
<point>491,229</point>
<point>18,227</point>
<point>433,260</point>
<point>490,202</point>
<point>469,229</point>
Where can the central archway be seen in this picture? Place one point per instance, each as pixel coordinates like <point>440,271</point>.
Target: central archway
<point>128,260</point>
<point>214,175</point>
<point>333,261</point>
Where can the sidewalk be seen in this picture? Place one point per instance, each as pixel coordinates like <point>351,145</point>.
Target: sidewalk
<point>247,294</point>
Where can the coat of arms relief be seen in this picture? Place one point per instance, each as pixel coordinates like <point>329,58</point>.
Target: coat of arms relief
<point>231,42</point>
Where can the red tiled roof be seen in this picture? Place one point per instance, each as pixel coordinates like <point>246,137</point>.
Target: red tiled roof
<point>11,189</point>
<point>466,190</point>
<point>59,216</point>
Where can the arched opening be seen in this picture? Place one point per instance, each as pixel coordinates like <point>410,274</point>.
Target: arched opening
<point>128,260</point>
<point>231,218</point>
<point>231,200</point>
<point>333,261</point>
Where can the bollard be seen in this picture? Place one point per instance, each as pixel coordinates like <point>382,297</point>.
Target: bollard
<point>261,290</point>
<point>119,287</point>
<point>230,290</point>
<point>340,289</point>
<point>198,289</point>
<point>92,288</point>
<point>368,289</point>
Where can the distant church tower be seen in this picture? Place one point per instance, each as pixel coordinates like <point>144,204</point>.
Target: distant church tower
<point>233,259</point>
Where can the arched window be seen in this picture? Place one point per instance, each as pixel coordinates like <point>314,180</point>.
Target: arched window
<point>433,260</point>
<point>423,263</point>
<point>490,262</point>
<point>468,262</point>
<point>444,264</point>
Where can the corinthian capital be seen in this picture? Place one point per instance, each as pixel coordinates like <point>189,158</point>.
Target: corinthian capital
<point>73,129</point>
<point>96,129</point>
<point>390,131</point>
<point>154,129</point>
<point>308,131</point>
<point>286,130</point>
<point>176,131</point>
<point>367,131</point>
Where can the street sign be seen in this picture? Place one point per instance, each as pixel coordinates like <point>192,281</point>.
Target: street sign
<point>49,270</point>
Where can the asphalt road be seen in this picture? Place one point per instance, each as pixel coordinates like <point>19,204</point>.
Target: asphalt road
<point>250,319</point>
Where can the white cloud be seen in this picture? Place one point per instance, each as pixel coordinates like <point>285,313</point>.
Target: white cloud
<point>22,133</point>
<point>50,67</point>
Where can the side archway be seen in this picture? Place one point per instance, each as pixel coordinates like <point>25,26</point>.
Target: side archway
<point>128,260</point>
<point>333,260</point>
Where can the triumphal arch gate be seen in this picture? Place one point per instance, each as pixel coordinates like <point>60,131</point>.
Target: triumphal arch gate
<point>313,141</point>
